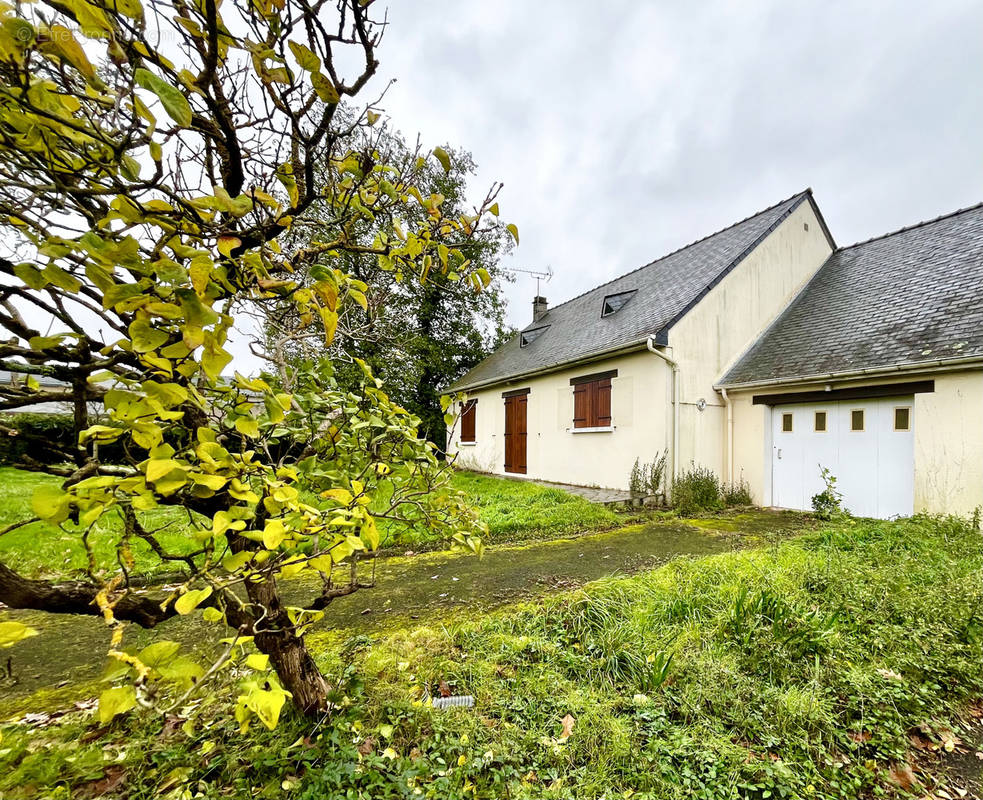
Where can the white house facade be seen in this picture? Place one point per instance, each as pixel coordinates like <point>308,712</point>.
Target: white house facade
<point>763,352</point>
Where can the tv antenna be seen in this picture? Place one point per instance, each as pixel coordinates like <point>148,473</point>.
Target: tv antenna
<point>538,275</point>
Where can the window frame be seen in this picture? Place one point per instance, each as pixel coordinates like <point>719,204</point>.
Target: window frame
<point>907,410</point>
<point>790,416</point>
<point>815,422</point>
<point>591,399</point>
<point>604,303</point>
<point>525,342</point>
<point>863,420</point>
<point>469,413</point>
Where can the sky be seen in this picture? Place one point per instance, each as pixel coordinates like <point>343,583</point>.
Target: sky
<point>624,130</point>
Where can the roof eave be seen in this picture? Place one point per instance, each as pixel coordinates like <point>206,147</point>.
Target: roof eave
<point>933,365</point>
<point>558,367</point>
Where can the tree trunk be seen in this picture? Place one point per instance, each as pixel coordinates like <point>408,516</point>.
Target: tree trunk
<point>275,636</point>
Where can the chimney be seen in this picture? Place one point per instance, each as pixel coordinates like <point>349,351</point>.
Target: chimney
<point>538,308</point>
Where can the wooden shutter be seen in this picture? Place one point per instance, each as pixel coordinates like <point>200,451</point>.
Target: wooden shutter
<point>468,413</point>
<point>581,405</point>
<point>602,404</point>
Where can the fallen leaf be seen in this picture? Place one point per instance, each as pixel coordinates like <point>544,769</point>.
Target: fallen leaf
<point>366,746</point>
<point>902,775</point>
<point>859,736</point>
<point>949,740</point>
<point>444,689</point>
<point>568,722</point>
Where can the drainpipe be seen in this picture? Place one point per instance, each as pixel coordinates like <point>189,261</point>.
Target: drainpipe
<point>729,457</point>
<point>674,450</point>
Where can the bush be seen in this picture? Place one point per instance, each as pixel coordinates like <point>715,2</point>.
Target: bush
<point>828,503</point>
<point>696,490</point>
<point>647,479</point>
<point>44,437</point>
<point>738,494</point>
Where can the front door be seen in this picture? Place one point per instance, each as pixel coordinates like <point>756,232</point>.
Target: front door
<point>515,433</point>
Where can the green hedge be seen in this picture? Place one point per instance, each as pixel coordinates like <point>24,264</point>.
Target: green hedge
<point>44,437</point>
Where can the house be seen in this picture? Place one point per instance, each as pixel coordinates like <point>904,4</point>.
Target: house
<point>764,352</point>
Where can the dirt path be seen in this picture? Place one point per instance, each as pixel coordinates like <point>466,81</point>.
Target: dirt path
<point>423,587</point>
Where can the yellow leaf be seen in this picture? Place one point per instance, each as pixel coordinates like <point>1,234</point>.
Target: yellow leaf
<point>13,632</point>
<point>116,701</point>
<point>189,601</point>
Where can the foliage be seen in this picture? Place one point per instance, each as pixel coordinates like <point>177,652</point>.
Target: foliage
<point>828,503</point>
<point>145,202</point>
<point>695,491</point>
<point>647,479</point>
<point>790,671</point>
<point>737,494</point>
<point>418,336</point>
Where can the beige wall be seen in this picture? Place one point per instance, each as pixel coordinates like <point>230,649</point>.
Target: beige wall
<point>711,337</point>
<point>639,416</point>
<point>948,430</point>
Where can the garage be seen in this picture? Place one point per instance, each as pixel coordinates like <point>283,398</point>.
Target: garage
<point>867,444</point>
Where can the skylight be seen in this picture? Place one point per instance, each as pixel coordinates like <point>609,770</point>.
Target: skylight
<point>530,336</point>
<point>615,302</point>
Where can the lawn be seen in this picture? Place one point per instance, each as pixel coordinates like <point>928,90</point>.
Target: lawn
<point>513,510</point>
<point>814,668</point>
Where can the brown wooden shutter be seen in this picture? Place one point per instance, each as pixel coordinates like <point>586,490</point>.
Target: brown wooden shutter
<point>602,404</point>
<point>581,405</point>
<point>467,420</point>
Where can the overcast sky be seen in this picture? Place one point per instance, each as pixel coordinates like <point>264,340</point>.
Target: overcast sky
<point>623,130</point>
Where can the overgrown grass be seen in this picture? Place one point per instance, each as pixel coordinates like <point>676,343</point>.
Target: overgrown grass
<point>513,510</point>
<point>790,671</point>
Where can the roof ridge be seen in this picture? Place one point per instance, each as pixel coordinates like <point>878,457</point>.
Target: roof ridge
<point>806,191</point>
<point>914,226</point>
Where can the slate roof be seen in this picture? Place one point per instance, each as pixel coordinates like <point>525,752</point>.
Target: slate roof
<point>915,295</point>
<point>666,289</point>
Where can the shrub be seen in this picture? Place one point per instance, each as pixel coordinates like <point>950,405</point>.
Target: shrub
<point>737,494</point>
<point>647,479</point>
<point>828,503</point>
<point>44,437</point>
<point>696,490</point>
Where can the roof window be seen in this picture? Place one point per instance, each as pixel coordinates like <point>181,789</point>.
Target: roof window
<point>615,302</point>
<point>530,336</point>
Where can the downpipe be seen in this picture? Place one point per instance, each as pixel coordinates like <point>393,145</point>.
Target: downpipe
<point>674,449</point>
<point>729,455</point>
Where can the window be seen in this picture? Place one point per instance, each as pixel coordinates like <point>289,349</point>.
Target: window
<point>902,418</point>
<point>468,411</point>
<point>530,336</point>
<point>857,419</point>
<point>787,422</point>
<point>615,302</point>
<point>592,400</point>
<point>820,422</point>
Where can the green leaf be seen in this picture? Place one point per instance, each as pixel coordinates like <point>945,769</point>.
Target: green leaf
<point>159,653</point>
<point>13,632</point>
<point>325,89</point>
<point>493,208</point>
<point>306,57</point>
<point>445,160</point>
<point>512,229</point>
<point>189,601</point>
<point>145,337</point>
<point>175,103</point>
<point>116,701</point>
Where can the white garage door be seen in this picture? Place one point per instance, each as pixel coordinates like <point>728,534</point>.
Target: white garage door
<point>867,444</point>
